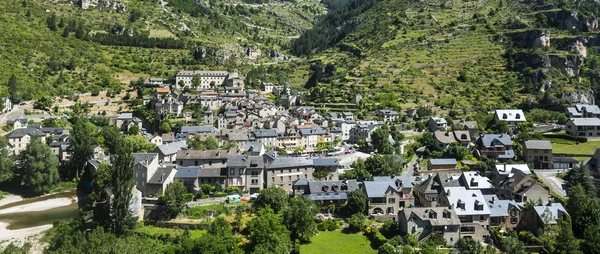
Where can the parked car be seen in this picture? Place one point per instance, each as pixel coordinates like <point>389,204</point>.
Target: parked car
<point>348,152</point>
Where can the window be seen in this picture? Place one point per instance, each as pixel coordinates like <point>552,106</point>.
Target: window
<point>210,163</point>
<point>281,179</point>
<point>273,179</point>
<point>392,200</point>
<point>289,178</point>
<point>481,218</point>
<point>232,171</point>
<point>136,175</point>
<point>514,220</point>
<point>254,181</point>
<point>196,163</point>
<point>241,171</point>
<point>180,163</point>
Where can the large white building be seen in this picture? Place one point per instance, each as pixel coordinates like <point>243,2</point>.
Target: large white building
<point>206,78</point>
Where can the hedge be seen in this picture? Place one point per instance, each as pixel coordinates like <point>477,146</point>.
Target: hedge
<point>566,137</point>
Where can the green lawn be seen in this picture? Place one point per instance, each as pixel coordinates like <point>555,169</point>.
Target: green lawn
<point>338,242</point>
<point>582,148</point>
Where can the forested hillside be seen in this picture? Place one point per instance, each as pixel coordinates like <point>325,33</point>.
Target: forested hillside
<point>58,48</point>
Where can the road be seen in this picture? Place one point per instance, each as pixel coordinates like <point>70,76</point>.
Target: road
<point>14,113</point>
<point>410,168</point>
<point>556,184</point>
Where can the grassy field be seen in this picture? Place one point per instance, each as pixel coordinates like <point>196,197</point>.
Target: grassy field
<point>338,242</point>
<point>582,148</point>
<point>152,230</point>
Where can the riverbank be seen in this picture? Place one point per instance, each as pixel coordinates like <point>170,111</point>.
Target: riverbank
<point>26,220</point>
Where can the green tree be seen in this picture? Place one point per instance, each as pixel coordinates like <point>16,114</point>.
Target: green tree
<point>383,165</point>
<point>500,127</point>
<point>457,151</point>
<point>196,143</point>
<point>175,198</point>
<point>299,218</point>
<point>380,140</point>
<point>581,176</point>
<point>357,222</point>
<point>268,234</point>
<point>51,22</point>
<point>122,164</point>
<point>274,197</point>
<point>219,239</point>
<point>7,161</point>
<point>565,240</point>
<point>362,144</point>
<point>590,243</point>
<point>358,171</point>
<point>139,144</point>
<point>512,245</point>
<point>357,202</point>
<point>196,81</point>
<point>43,103</point>
<point>468,246</point>
<point>38,167</point>
<point>281,152</point>
<point>82,141</point>
<point>110,136</point>
<point>133,130</point>
<point>583,209</point>
<point>165,127</point>
<point>386,249</point>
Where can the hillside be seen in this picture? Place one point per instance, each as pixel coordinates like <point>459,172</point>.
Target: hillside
<point>59,48</point>
<point>453,55</point>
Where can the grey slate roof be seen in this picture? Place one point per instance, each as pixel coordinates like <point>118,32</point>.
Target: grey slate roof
<point>594,109</point>
<point>327,196</point>
<point>125,116</point>
<point>290,162</point>
<point>443,162</point>
<point>423,214</point>
<point>171,148</point>
<point>508,154</point>
<point>19,133</point>
<point>187,172</point>
<point>538,144</point>
<point>487,139</point>
<point>378,189</point>
<point>406,183</point>
<point>253,146</point>
<point>499,208</point>
<point>237,160</point>
<point>52,130</point>
<point>301,182</point>
<point>315,187</point>
<point>586,121</point>
<point>312,131</point>
<point>325,162</point>
<point>161,175</point>
<point>198,129</point>
<point>203,155</point>
<point>141,157</point>
<point>555,210</point>
<point>269,133</point>
<point>213,172</point>
<point>256,162</point>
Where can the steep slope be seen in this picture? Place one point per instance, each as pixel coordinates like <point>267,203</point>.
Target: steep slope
<point>454,55</point>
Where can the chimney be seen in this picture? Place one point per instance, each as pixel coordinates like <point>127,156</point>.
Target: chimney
<point>493,199</point>
<point>504,167</point>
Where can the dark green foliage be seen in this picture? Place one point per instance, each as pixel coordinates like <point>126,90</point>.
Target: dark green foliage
<point>357,202</point>
<point>358,171</point>
<point>7,165</point>
<point>590,243</point>
<point>274,197</point>
<point>133,130</point>
<point>122,164</point>
<point>327,225</point>
<point>82,141</point>
<point>458,152</point>
<point>583,208</point>
<point>175,197</point>
<point>469,246</point>
<point>51,22</point>
<point>38,167</point>
<point>198,144</point>
<point>389,229</point>
<point>109,136</point>
<point>299,218</point>
<point>581,176</point>
<point>219,239</point>
<point>357,222</point>
<point>268,234</point>
<point>485,166</point>
<point>565,240</point>
<point>383,165</point>
<point>512,245</point>
<point>376,238</point>
<point>380,140</point>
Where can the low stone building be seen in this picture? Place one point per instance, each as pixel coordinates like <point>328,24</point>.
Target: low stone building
<point>425,221</point>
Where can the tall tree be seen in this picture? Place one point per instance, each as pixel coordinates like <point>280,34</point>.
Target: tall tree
<point>565,240</point>
<point>357,202</point>
<point>110,134</point>
<point>38,166</point>
<point>218,240</point>
<point>299,218</point>
<point>274,197</point>
<point>584,210</point>
<point>381,142</point>
<point>51,22</point>
<point>7,161</point>
<point>82,141</point>
<point>122,164</point>
<point>175,197</point>
<point>13,86</point>
<point>590,243</point>
<point>581,176</point>
<point>383,165</point>
<point>196,81</point>
<point>268,234</point>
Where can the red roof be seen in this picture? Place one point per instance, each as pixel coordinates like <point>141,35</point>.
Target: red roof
<point>163,90</point>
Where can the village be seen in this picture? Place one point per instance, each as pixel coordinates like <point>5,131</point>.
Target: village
<point>243,142</point>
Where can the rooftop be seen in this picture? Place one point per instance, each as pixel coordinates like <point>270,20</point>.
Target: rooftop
<point>552,211</point>
<point>586,121</point>
<point>443,162</point>
<point>538,144</point>
<point>512,115</point>
<point>202,155</point>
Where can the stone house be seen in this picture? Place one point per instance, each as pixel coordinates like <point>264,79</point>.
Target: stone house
<point>497,146</point>
<point>472,210</point>
<point>504,214</point>
<point>388,115</point>
<point>583,127</point>
<point>443,139</point>
<point>362,132</point>
<point>522,187</point>
<point>511,116</point>
<point>167,153</point>
<point>157,185</point>
<point>325,193</point>
<point>503,171</point>
<point>583,111</point>
<point>19,139</point>
<point>437,124</point>
<point>425,221</point>
<point>442,165</point>
<point>538,153</point>
<point>387,196</point>
<point>245,172</point>
<point>203,159</point>
<point>542,216</point>
<point>283,171</point>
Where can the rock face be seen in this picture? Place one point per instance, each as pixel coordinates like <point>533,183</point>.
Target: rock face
<point>532,38</point>
<point>253,52</point>
<point>103,5</point>
<point>218,54</point>
<point>573,21</point>
<point>579,48</point>
<point>276,55</point>
<point>579,96</point>
<point>569,65</point>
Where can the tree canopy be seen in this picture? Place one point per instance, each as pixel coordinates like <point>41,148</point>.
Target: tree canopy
<point>268,234</point>
<point>357,202</point>
<point>38,167</point>
<point>274,197</point>
<point>175,197</point>
<point>299,218</point>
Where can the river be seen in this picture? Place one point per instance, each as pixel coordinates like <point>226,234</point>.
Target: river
<point>36,217</point>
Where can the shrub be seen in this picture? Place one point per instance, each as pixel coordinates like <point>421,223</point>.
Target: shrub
<point>327,225</point>
<point>7,128</point>
<point>220,194</point>
<point>357,222</point>
<point>566,137</point>
<point>376,238</point>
